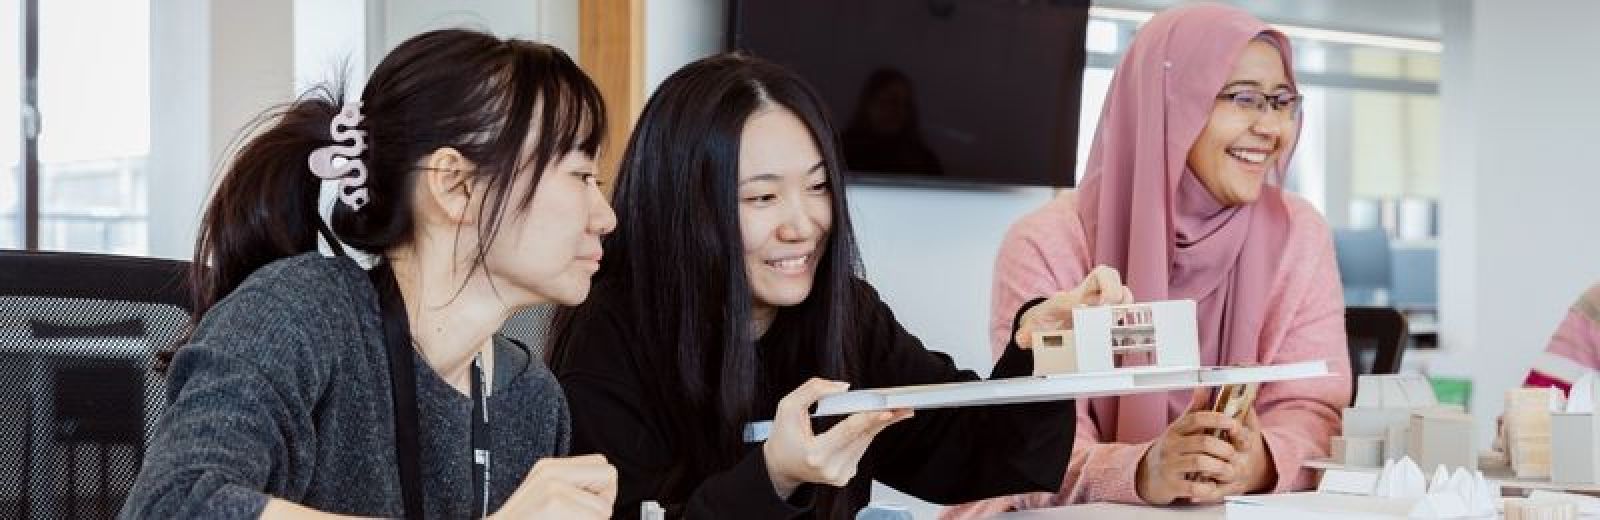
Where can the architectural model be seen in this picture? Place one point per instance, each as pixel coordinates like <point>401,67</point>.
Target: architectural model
<point>1397,415</point>
<point>1147,336</point>
<point>1113,350</point>
<point>1525,429</point>
<point>1575,434</point>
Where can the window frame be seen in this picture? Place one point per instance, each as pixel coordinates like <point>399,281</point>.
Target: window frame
<point>28,154</point>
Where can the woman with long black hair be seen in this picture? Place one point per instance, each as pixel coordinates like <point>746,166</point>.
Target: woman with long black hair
<point>732,293</point>
<point>367,379</point>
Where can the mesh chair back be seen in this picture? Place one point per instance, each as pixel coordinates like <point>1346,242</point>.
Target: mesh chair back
<point>78,337</point>
<point>531,326</point>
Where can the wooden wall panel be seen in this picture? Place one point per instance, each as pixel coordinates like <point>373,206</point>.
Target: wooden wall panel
<point>611,50</point>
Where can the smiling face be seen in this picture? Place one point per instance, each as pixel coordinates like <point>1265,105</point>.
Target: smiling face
<point>785,207</point>
<point>1240,145</point>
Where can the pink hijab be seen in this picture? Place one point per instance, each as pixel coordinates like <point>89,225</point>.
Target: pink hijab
<point>1148,216</point>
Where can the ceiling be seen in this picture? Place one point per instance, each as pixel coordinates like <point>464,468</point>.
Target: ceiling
<point>1407,18</point>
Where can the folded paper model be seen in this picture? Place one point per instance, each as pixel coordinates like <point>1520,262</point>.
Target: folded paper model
<point>1400,491</point>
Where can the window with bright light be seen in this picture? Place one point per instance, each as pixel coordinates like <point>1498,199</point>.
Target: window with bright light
<point>10,123</point>
<point>94,98</point>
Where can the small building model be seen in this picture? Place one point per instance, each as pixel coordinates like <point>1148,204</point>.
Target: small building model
<point>1146,336</point>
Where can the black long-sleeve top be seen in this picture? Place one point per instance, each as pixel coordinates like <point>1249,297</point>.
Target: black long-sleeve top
<point>944,456</point>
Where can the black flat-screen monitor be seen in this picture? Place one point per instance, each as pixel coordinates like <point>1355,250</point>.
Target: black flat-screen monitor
<point>965,91</point>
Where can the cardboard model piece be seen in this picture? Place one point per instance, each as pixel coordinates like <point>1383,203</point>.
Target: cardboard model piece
<point>1526,430</point>
<point>1575,434</point>
<point>1397,415</point>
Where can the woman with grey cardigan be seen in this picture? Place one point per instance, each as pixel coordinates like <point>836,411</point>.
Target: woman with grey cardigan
<point>366,378</point>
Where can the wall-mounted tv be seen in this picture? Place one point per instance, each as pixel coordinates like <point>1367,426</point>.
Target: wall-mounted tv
<point>958,91</point>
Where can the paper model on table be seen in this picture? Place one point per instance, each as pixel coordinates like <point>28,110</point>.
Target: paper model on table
<point>1458,494</point>
<point>1112,350</point>
<point>1400,479</point>
<point>1526,430</point>
<point>1536,509</point>
<point>1148,336</point>
<point>1394,391</point>
<point>1397,415</point>
<point>1443,438</point>
<point>1575,435</point>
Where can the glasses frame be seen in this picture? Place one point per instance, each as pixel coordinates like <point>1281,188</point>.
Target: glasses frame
<point>1284,101</point>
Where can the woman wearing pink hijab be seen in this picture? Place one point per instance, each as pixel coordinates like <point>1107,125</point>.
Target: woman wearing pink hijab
<point>1182,198</point>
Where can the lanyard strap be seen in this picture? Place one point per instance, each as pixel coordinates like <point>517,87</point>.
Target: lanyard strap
<point>403,388</point>
<point>480,439</point>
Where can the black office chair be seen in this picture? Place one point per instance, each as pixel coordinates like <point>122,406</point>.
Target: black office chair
<point>1379,331</point>
<point>78,337</point>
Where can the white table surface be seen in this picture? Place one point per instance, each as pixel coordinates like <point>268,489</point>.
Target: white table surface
<point>1499,474</point>
<point>1117,512</point>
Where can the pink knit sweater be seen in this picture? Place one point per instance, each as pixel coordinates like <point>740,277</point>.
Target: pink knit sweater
<point>1048,251</point>
<point>1574,348</point>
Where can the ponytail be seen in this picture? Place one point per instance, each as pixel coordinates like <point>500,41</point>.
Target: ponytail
<point>451,88</point>
<point>265,205</point>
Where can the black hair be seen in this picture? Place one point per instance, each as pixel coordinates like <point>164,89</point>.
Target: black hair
<point>674,268</point>
<point>484,96</point>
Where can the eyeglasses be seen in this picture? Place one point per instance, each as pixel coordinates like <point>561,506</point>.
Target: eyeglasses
<point>1283,101</point>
